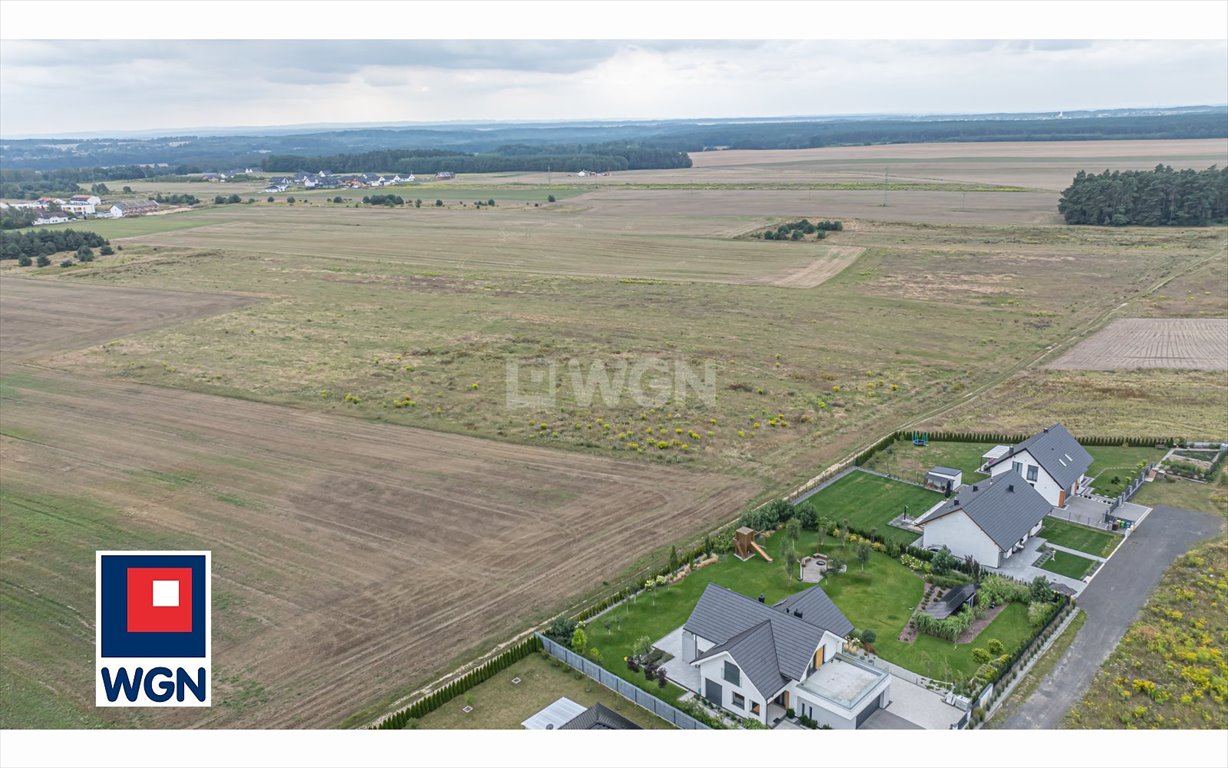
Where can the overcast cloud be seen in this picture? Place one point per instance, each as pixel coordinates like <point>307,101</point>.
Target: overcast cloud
<point>96,87</point>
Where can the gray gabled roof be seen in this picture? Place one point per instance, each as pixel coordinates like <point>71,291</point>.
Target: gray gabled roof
<point>817,608</point>
<point>754,651</point>
<point>1004,507</point>
<point>599,718</point>
<point>770,644</point>
<point>945,471</point>
<point>1057,451</point>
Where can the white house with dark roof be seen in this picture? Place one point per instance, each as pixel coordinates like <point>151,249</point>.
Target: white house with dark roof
<point>751,657</point>
<point>1051,461</point>
<point>989,520</point>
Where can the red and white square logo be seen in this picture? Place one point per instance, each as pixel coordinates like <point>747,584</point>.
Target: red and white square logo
<point>159,599</point>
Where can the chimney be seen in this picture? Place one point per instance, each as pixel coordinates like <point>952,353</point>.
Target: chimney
<point>956,504</point>
<point>974,489</point>
<point>1010,488</point>
<point>797,613</point>
<point>761,598</point>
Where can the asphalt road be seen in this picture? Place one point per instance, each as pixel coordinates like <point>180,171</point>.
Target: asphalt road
<point>1112,601</point>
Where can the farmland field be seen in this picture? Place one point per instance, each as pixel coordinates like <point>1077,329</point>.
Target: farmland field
<point>342,549</point>
<point>1138,343</point>
<point>318,394</point>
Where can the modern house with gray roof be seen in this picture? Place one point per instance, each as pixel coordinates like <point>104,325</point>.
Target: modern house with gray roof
<point>1051,461</point>
<point>989,520</point>
<point>758,661</point>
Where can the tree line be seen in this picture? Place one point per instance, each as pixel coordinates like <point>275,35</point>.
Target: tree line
<point>44,242</point>
<point>568,158</point>
<point>1155,198</point>
<point>27,184</point>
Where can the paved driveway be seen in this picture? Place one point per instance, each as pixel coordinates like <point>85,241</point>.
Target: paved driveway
<point>1019,566</point>
<point>913,707</point>
<point>1112,601</point>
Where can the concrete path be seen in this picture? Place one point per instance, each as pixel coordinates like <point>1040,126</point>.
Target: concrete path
<point>1112,601</point>
<point>1078,552</point>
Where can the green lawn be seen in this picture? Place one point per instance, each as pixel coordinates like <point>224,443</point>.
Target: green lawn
<point>870,502</point>
<point>880,598</point>
<point>911,462</point>
<point>1080,537</point>
<point>903,459</point>
<point>498,704</point>
<point>1109,462</point>
<point>1069,565</point>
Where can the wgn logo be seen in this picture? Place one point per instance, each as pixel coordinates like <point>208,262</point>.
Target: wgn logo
<point>153,639</point>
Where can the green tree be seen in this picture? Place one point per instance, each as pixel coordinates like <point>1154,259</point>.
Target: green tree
<point>673,558</point>
<point>42,260</point>
<point>943,561</point>
<point>863,555</point>
<point>579,640</point>
<point>561,630</point>
<point>23,260</point>
<point>549,198</point>
<point>127,190</point>
<point>791,561</point>
<point>438,203</point>
<point>106,250</point>
<point>290,199</point>
<point>270,199</point>
<point>234,199</point>
<point>793,530</point>
<point>642,646</point>
<point>85,253</point>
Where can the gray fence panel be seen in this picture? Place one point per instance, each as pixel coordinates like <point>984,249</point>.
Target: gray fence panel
<point>661,709</point>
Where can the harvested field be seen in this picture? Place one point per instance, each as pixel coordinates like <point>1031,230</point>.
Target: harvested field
<point>352,560</point>
<point>1129,343</point>
<point>41,316</point>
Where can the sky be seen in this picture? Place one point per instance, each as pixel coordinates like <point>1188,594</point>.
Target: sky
<point>81,87</point>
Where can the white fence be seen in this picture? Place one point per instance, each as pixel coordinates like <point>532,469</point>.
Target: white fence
<point>666,712</point>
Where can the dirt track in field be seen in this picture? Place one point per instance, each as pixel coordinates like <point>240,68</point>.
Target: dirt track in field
<point>1128,343</point>
<point>39,316</point>
<point>822,270</point>
<point>351,559</point>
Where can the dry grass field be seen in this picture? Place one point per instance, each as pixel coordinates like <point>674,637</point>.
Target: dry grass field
<point>328,410</point>
<point>1160,401</point>
<point>1129,343</point>
<point>355,324</point>
<point>39,317</point>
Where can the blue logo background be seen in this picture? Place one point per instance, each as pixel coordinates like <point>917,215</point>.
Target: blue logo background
<point>117,641</point>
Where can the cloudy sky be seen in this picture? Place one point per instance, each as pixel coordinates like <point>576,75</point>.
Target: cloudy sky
<point>81,87</point>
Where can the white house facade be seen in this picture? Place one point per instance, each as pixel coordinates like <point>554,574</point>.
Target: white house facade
<point>758,661</point>
<point>1051,461</point>
<point>989,520</point>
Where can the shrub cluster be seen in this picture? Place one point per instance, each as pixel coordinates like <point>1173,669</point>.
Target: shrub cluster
<point>44,242</point>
